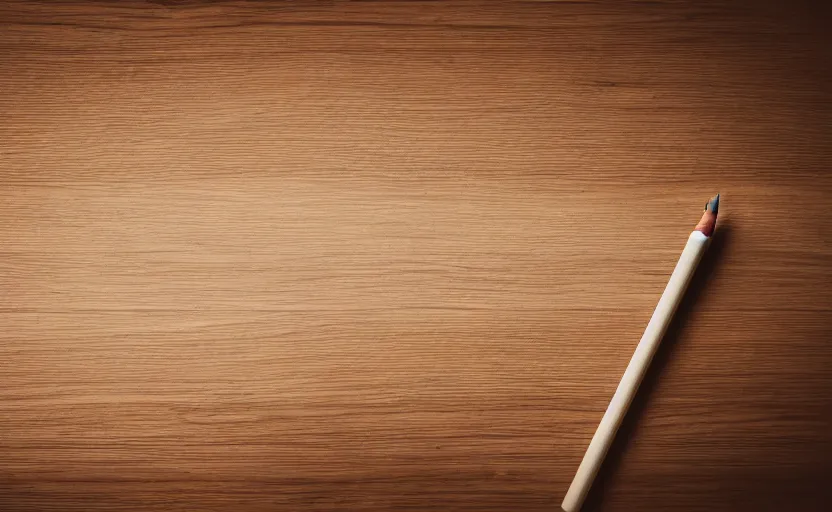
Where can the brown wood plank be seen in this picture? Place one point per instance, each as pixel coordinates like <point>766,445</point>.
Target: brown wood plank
<point>373,256</point>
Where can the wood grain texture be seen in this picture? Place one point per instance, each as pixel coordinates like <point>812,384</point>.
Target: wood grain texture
<point>373,256</point>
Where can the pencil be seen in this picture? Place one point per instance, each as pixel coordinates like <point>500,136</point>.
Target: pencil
<point>669,301</point>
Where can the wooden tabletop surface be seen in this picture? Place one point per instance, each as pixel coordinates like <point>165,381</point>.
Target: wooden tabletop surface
<point>376,256</point>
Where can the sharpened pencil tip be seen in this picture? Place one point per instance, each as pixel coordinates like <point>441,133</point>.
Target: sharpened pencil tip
<point>708,222</point>
<point>713,205</point>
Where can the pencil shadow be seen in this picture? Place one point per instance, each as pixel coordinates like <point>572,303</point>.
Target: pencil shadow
<point>629,426</point>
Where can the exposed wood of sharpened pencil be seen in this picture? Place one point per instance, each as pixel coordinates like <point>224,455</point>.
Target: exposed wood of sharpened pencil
<point>646,349</point>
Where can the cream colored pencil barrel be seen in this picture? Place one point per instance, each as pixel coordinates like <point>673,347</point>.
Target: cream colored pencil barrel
<point>695,248</point>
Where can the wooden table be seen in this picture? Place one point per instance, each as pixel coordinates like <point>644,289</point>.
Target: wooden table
<point>376,256</point>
